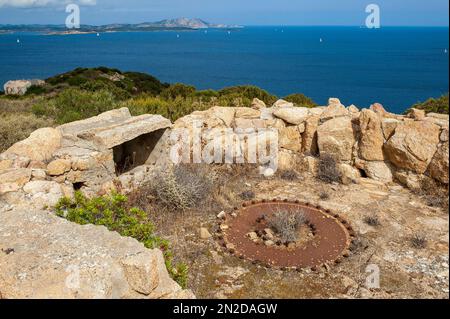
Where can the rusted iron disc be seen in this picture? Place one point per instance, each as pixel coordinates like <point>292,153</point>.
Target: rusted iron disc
<point>332,236</point>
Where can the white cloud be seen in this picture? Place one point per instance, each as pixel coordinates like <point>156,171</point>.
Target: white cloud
<point>43,3</point>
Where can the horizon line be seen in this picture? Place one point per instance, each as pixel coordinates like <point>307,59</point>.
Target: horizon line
<point>232,25</point>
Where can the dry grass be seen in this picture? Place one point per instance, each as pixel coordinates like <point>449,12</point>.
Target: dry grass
<point>247,195</point>
<point>434,193</point>
<point>327,170</point>
<point>288,175</point>
<point>372,220</point>
<point>324,195</point>
<point>418,241</point>
<point>15,127</point>
<point>286,224</point>
<point>179,189</point>
<point>17,104</point>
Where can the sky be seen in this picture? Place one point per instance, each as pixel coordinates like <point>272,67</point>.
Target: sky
<point>243,12</point>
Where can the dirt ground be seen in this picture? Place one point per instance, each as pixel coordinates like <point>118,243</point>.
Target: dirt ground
<point>404,271</point>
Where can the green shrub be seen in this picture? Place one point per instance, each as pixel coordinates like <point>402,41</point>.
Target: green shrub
<point>178,90</point>
<point>112,212</point>
<point>104,84</point>
<point>432,105</point>
<point>206,94</point>
<point>245,93</point>
<point>300,100</point>
<point>145,83</point>
<point>171,109</point>
<point>36,90</point>
<point>75,104</point>
<point>94,79</point>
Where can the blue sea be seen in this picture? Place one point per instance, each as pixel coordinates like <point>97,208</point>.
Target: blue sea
<point>395,66</point>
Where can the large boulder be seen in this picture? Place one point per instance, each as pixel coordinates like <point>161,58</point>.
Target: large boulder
<point>309,137</point>
<point>416,114</point>
<point>43,193</point>
<point>258,104</point>
<point>349,174</point>
<point>54,258</point>
<point>40,146</point>
<point>372,138</point>
<point>410,179</point>
<point>225,114</point>
<point>413,145</point>
<point>256,145</point>
<point>20,87</point>
<point>12,180</point>
<point>59,167</point>
<point>389,125</point>
<point>336,137</point>
<point>292,115</point>
<point>379,109</point>
<point>441,121</point>
<point>117,134</point>
<point>439,164</point>
<point>379,171</point>
<point>247,113</point>
<point>282,103</point>
<point>335,109</point>
<point>290,138</point>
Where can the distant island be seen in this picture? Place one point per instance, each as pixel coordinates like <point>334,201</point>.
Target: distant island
<point>168,24</point>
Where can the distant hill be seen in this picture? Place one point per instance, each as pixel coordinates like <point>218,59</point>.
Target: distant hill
<point>168,24</point>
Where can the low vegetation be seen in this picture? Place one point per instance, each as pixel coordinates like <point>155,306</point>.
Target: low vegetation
<point>86,92</point>
<point>247,195</point>
<point>288,175</point>
<point>182,188</point>
<point>112,212</point>
<point>327,170</point>
<point>324,195</point>
<point>434,193</point>
<point>300,100</point>
<point>418,241</point>
<point>434,105</point>
<point>15,127</point>
<point>286,224</point>
<point>74,104</point>
<point>372,220</point>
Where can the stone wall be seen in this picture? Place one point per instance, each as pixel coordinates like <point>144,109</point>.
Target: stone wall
<point>369,142</point>
<point>43,256</point>
<point>54,162</point>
